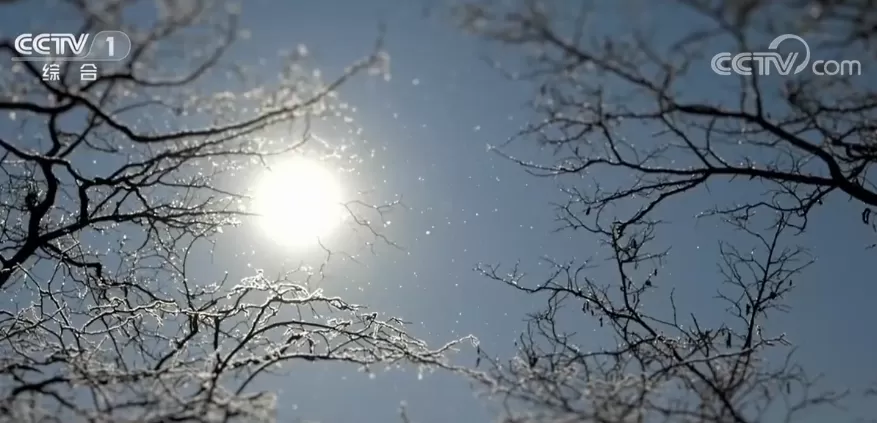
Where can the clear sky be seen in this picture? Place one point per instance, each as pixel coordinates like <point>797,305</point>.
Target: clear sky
<point>429,126</point>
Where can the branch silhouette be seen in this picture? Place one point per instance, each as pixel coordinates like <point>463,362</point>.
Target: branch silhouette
<point>109,188</point>
<point>631,121</point>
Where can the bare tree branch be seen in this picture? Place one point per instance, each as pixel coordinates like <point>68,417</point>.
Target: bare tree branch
<point>109,187</point>
<point>634,121</point>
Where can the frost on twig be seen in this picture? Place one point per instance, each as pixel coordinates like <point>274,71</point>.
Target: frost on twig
<point>110,187</point>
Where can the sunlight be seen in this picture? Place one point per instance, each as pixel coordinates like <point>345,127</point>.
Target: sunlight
<point>298,202</point>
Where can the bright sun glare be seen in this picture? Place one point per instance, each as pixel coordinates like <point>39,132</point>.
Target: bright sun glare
<point>298,202</point>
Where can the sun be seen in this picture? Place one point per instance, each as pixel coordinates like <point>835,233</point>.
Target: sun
<point>298,202</point>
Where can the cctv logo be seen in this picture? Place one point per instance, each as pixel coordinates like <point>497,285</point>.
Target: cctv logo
<point>51,45</point>
<point>111,46</point>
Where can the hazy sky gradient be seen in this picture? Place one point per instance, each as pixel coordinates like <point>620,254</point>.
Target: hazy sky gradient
<point>429,127</point>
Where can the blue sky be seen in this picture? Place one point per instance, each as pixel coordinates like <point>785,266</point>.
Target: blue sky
<point>429,126</point>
